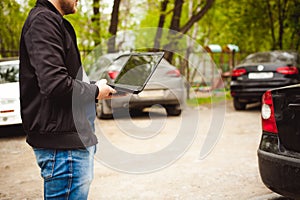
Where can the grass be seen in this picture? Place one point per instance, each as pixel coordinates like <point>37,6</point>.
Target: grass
<point>213,98</point>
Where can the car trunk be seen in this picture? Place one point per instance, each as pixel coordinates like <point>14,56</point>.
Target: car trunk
<point>287,115</point>
<point>264,76</point>
<point>265,72</point>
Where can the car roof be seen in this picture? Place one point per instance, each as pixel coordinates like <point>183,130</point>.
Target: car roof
<point>9,62</point>
<point>115,56</point>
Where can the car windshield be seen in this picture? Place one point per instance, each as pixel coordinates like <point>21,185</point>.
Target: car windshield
<point>9,72</point>
<point>274,57</point>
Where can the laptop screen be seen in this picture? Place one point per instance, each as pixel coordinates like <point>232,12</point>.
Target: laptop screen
<point>138,69</point>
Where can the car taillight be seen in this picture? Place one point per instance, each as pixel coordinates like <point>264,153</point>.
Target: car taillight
<point>174,73</point>
<point>287,70</point>
<point>238,72</point>
<point>113,74</point>
<point>6,111</point>
<point>267,113</point>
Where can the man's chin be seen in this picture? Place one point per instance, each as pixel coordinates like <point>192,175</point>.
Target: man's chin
<point>71,11</point>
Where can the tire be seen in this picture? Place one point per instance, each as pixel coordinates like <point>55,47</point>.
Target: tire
<point>238,105</point>
<point>136,111</point>
<point>173,110</point>
<point>99,112</point>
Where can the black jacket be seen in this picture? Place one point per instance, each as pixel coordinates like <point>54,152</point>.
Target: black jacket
<point>54,99</point>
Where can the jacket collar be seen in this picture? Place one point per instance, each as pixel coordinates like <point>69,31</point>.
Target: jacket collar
<point>47,4</point>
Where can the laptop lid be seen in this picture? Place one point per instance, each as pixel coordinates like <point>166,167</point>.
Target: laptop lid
<point>136,72</point>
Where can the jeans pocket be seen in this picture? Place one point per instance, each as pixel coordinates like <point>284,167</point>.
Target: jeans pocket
<point>46,161</point>
<point>91,150</point>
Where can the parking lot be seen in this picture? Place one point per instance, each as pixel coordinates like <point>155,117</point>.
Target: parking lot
<point>229,171</point>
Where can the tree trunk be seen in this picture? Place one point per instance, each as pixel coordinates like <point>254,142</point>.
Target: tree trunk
<point>161,23</point>
<point>96,22</point>
<point>282,8</point>
<point>269,10</point>
<point>195,18</point>
<point>174,28</point>
<point>113,28</point>
<point>175,25</point>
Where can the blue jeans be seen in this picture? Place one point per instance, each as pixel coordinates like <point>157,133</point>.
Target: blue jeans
<point>67,174</point>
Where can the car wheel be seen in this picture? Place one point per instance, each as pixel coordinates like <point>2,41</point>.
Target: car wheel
<point>238,105</point>
<point>136,111</point>
<point>100,113</point>
<point>173,110</point>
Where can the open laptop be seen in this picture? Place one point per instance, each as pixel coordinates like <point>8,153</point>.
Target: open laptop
<point>136,72</point>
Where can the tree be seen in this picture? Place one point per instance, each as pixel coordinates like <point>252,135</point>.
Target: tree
<point>176,30</point>
<point>11,22</point>
<point>113,28</point>
<point>294,26</point>
<point>250,24</point>
<point>162,18</point>
<point>277,11</point>
<point>96,22</point>
<point>254,25</point>
<point>198,15</point>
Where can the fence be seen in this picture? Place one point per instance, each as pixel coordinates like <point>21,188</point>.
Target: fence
<point>8,53</point>
<point>15,53</point>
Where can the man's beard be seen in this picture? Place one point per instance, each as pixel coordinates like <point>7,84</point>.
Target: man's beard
<point>67,7</point>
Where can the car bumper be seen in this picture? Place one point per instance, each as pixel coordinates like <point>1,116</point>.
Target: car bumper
<point>248,95</point>
<point>280,173</point>
<point>12,130</point>
<point>256,90</point>
<point>7,120</point>
<point>149,98</point>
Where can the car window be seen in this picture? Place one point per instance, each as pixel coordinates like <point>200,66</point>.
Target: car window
<point>103,64</point>
<point>286,57</point>
<point>121,60</point>
<point>257,58</point>
<point>275,57</point>
<point>9,72</point>
<point>97,67</point>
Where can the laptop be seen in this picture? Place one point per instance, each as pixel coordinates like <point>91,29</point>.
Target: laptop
<point>136,72</point>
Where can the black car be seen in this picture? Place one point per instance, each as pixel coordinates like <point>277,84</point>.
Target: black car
<point>260,72</point>
<point>279,149</point>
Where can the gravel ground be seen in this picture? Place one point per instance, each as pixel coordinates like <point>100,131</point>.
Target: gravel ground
<point>230,171</point>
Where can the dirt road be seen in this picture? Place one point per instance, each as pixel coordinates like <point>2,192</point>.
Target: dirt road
<point>230,170</point>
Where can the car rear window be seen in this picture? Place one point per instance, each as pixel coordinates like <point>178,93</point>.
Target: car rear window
<point>275,57</point>
<point>9,72</point>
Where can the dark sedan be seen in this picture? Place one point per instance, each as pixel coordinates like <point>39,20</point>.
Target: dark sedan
<point>260,72</point>
<point>279,149</point>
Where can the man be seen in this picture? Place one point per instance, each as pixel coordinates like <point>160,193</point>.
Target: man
<point>57,101</point>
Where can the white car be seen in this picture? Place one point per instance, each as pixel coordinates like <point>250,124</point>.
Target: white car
<point>9,93</point>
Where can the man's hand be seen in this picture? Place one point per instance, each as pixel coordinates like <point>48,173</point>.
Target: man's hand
<point>105,90</point>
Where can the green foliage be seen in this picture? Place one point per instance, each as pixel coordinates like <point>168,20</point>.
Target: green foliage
<point>245,23</point>
<point>84,27</point>
<point>11,21</point>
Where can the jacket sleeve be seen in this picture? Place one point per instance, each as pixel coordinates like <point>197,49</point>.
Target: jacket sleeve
<point>45,45</point>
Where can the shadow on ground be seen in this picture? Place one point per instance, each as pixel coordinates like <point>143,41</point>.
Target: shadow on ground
<point>12,131</point>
